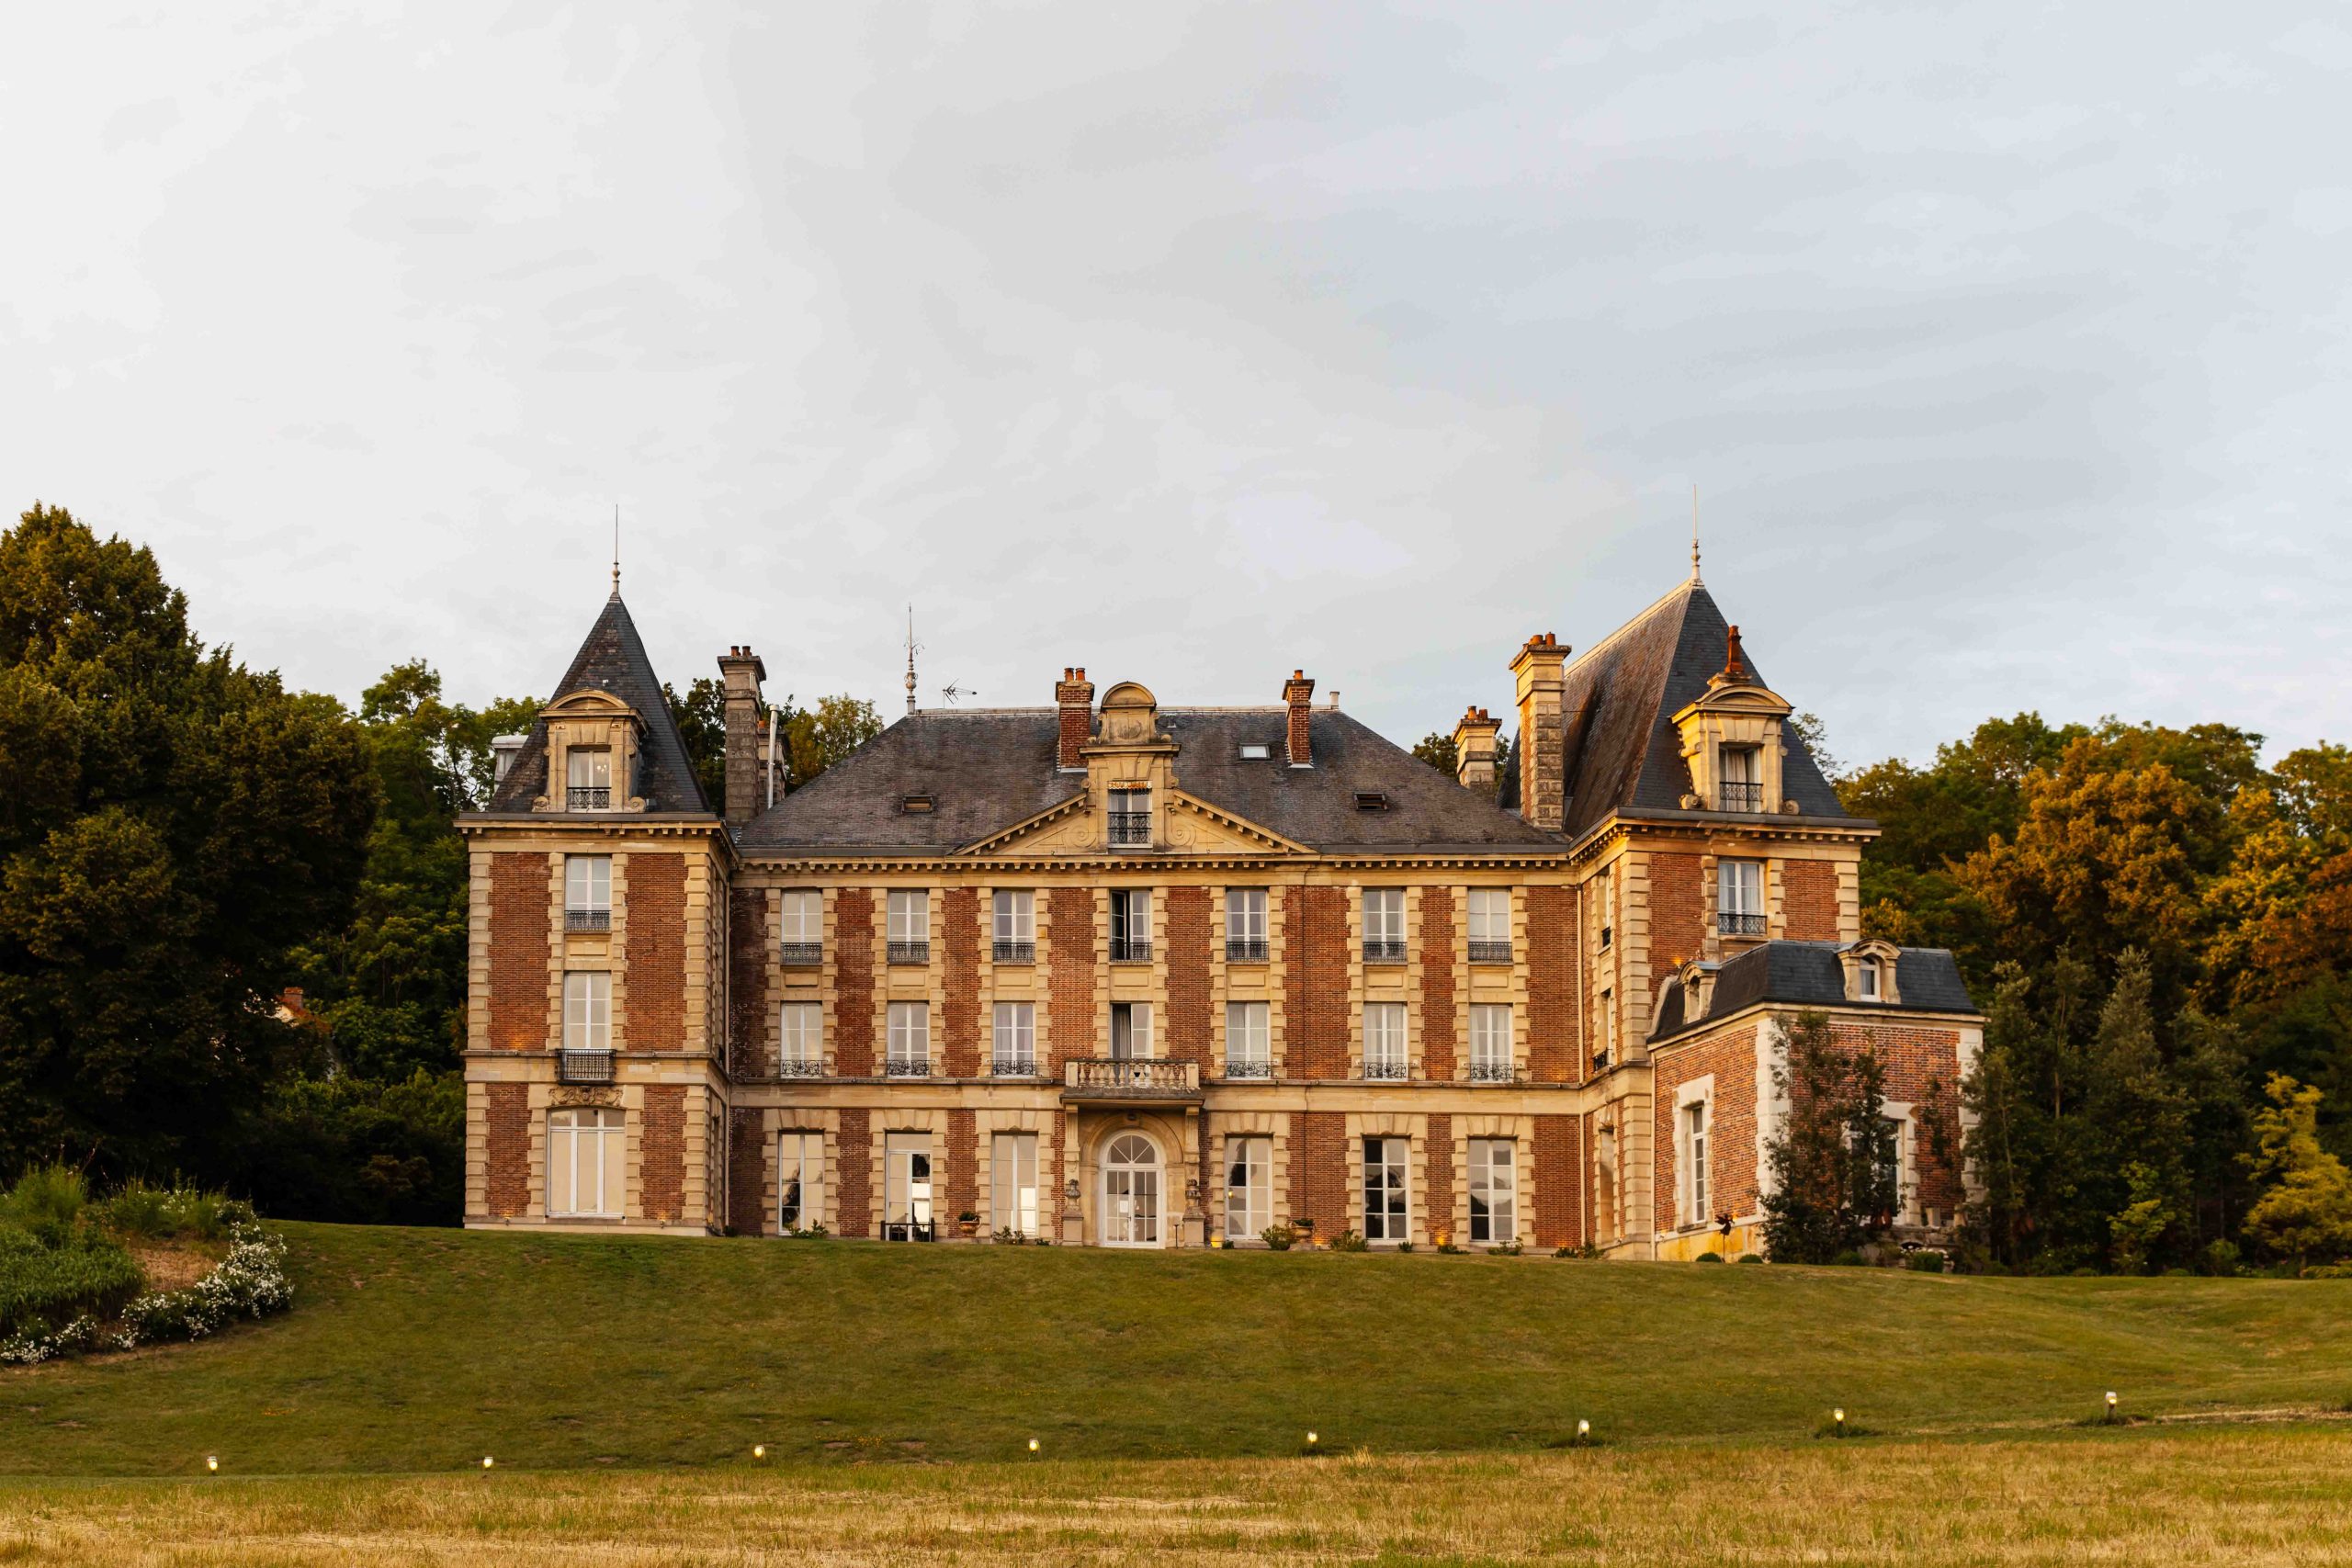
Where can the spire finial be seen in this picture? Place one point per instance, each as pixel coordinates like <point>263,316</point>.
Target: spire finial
<point>910,658</point>
<point>617,550</point>
<point>1694,531</point>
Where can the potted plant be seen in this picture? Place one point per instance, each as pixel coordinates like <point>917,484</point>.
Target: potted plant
<point>968,1224</point>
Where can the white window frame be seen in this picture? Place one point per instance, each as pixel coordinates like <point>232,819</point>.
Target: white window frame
<point>590,1142</point>
<point>587,1009</point>
<point>1013,915</point>
<point>1385,1028</point>
<point>1383,915</point>
<point>1015,1201</point>
<point>1015,1036</point>
<point>800,1031</point>
<point>588,885</point>
<point>910,914</point>
<point>1738,894</point>
<point>909,1189</point>
<point>1250,1202</point>
<point>1490,1039</point>
<point>1501,1196</point>
<point>1739,764</point>
<point>581,764</point>
<point>1694,1131</point>
<point>1138,1017</point>
<point>1131,915</point>
<point>1906,1160</point>
<point>799,1166</point>
<point>909,1037</point>
<point>1249,1035</point>
<point>1393,1221</point>
<point>801,915</point>
<point>1489,914</point>
<point>1869,984</point>
<point>1244,914</point>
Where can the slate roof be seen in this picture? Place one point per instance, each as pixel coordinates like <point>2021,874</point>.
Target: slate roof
<point>1618,711</point>
<point>613,660</point>
<point>1808,974</point>
<point>989,770</point>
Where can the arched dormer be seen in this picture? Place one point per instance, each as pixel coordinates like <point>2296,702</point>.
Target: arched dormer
<point>1870,968</point>
<point>594,742</point>
<point>1130,716</point>
<point>1732,742</point>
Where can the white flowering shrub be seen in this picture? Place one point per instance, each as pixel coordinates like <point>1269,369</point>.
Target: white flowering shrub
<point>250,1282</point>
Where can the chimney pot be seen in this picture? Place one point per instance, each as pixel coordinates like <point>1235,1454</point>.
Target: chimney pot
<point>1539,671</point>
<point>1075,699</point>
<point>1298,696</point>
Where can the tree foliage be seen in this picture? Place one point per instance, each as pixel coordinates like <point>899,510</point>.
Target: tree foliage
<point>808,741</point>
<point>1833,1160</point>
<point>2306,1211</point>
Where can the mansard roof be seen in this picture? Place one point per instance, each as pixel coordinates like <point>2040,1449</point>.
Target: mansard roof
<point>613,660</point>
<point>1809,975</point>
<point>985,770</point>
<point>1617,715</point>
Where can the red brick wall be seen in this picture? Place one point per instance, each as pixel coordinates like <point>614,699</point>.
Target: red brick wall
<point>519,912</point>
<point>1809,899</point>
<point>1319,1173</point>
<point>1188,975</point>
<point>1678,915</point>
<point>748,1208</point>
<point>657,953</point>
<point>856,1160</point>
<point>963,1165</point>
<point>747,988</point>
<point>1437,1203</point>
<point>1440,1019</point>
<point>854,985</point>
<point>661,1152</point>
<point>1731,1131</point>
<point>506,1137</point>
<point>1551,987</point>
<point>1922,1071</point>
<point>1069,996</point>
<point>1558,1158</point>
<point>1075,699</point>
<point>959,964</point>
<point>1314,983</point>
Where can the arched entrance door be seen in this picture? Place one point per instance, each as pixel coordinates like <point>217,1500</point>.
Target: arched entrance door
<point>1131,1192</point>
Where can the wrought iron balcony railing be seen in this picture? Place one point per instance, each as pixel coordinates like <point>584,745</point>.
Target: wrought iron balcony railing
<point>1248,1068</point>
<point>584,1066</point>
<point>587,920</point>
<point>801,955</point>
<point>1382,951</point>
<point>1492,1072</point>
<point>1015,1067</point>
<point>1387,1070</point>
<point>1245,949</point>
<point>910,952</point>
<point>1739,797</point>
<point>907,1067</point>
<point>1130,949</point>
<point>588,797</point>
<point>1483,951</point>
<point>1131,828</point>
<point>1015,952</point>
<point>801,1067</point>
<point>1733,924</point>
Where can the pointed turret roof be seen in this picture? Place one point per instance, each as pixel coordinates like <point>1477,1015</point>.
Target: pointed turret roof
<point>611,658</point>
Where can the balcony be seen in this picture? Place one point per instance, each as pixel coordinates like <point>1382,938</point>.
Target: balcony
<point>1382,951</point>
<point>801,955</point>
<point>1732,923</point>
<point>1483,951</point>
<point>1493,1072</point>
<point>1015,1066</point>
<point>587,920</point>
<point>1739,797</point>
<point>584,1066</point>
<point>1130,949</point>
<point>1015,952</point>
<point>1128,1080</point>
<point>801,1067</point>
<point>907,1067</point>
<point>1130,829</point>
<point>1385,1071</point>
<point>588,797</point>
<point>1259,1071</point>
<point>1245,949</point>
<point>910,952</point>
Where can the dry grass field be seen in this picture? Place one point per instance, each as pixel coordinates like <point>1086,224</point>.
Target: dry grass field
<point>2222,1495</point>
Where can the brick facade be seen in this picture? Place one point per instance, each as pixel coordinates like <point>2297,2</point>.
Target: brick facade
<point>657,953</point>
<point>1437,1194</point>
<point>662,1153</point>
<point>855,1159</point>
<point>506,1147</point>
<point>1069,1005</point>
<point>748,1212</point>
<point>1187,976</point>
<point>1809,900</point>
<point>1551,987</point>
<point>852,1020</point>
<point>1920,1073</point>
<point>1678,915</point>
<point>1558,1161</point>
<point>960,939</point>
<point>1730,1059</point>
<point>1318,1177</point>
<point>747,985</point>
<point>963,1166</point>
<point>1316,1019</point>
<point>519,1011</point>
<point>1441,1021</point>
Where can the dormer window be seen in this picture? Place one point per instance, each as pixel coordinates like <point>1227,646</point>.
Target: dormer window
<point>1130,818</point>
<point>1257,753</point>
<point>1872,978</point>
<point>588,778</point>
<point>1866,976</point>
<point>1742,788</point>
<point>916,805</point>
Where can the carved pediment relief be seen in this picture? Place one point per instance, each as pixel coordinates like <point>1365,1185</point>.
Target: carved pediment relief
<point>1186,827</point>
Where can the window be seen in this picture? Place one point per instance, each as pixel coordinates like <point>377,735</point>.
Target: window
<point>910,1044</point>
<point>587,1011</point>
<point>1383,1189</point>
<point>586,1163</point>
<point>1866,979</point>
<point>1247,1053</point>
<point>1371,800</point>
<point>1490,925</point>
<point>916,805</point>
<point>1016,927</point>
<point>1905,1154</point>
<point>1131,819</point>
<point>587,893</point>
<point>803,1052</point>
<point>1384,925</point>
<point>1130,925</point>
<point>1244,925</point>
<point>803,914</point>
<point>906,1182</point>
<point>1739,897</point>
<point>1741,789</point>
<point>1492,1059</point>
<point>1384,1040</point>
<point>1607,1054</point>
<point>1256,753</point>
<point>1693,1162</point>
<point>1016,1038</point>
<point>1130,1031</point>
<point>1493,1190</point>
<point>1249,1188</point>
<point>910,927</point>
<point>588,772</point>
<point>800,1181</point>
<point>1012,1183</point>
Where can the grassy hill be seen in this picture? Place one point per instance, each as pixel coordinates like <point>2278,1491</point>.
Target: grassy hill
<point>421,1351</point>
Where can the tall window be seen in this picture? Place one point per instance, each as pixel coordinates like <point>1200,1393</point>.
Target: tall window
<point>910,927</point>
<point>1249,1188</point>
<point>1694,1163</point>
<point>1016,926</point>
<point>588,778</point>
<point>586,1163</point>
<point>1742,789</point>
<point>1384,1040</point>
<point>1016,1040</point>
<point>1248,1048</point>
<point>803,1053</point>
<point>1608,1029</point>
<point>1130,1031</point>
<point>1131,817</point>
<point>1739,897</point>
<point>1493,1189</point>
<point>1130,925</point>
<point>587,1011</point>
<point>1491,1056</point>
<point>800,1181</point>
<point>1384,925</point>
<point>1383,1189</point>
<point>803,914</point>
<point>588,893</point>
<point>906,1183</point>
<point>1244,925</point>
<point>1867,975</point>
<point>1490,925</point>
<point>1012,1183</point>
<point>909,1042</point>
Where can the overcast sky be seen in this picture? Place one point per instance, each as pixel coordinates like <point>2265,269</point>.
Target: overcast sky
<point>2008,344</point>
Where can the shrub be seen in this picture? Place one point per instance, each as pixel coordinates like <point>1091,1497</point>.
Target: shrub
<point>1404,1246</point>
<point>1505,1249</point>
<point>1751,1258</point>
<point>1848,1259</point>
<point>1708,1257</point>
<point>44,1284</point>
<point>1587,1251</point>
<point>1925,1262</point>
<point>1349,1241</point>
<point>1278,1237</point>
<point>46,1202</point>
<point>1447,1246</point>
<point>138,1211</point>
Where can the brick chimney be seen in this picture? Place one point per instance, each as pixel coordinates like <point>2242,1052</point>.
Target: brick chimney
<point>1543,737</point>
<point>740,672</point>
<point>1734,666</point>
<point>1473,751</point>
<point>1298,695</point>
<point>1074,694</point>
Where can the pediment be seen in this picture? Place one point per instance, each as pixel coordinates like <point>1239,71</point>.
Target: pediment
<point>1738,699</point>
<point>1193,828</point>
<point>589,702</point>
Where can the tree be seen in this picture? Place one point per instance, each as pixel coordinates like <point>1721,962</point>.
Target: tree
<point>1834,1159</point>
<point>1436,750</point>
<point>701,716</point>
<point>816,739</point>
<point>175,824</point>
<point>1815,735</point>
<point>808,741</point>
<point>2307,1210</point>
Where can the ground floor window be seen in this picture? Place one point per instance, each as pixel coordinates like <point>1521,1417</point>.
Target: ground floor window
<point>1012,1183</point>
<point>1493,1189</point>
<point>1249,1188</point>
<point>800,1181</point>
<point>1383,1189</point>
<point>1694,1163</point>
<point>906,1172</point>
<point>585,1161</point>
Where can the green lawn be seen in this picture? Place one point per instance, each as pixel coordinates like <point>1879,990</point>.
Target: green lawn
<point>421,1351</point>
